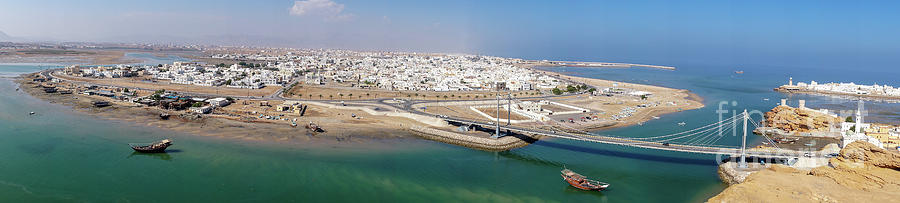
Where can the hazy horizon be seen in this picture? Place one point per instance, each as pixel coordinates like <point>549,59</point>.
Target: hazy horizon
<point>729,33</point>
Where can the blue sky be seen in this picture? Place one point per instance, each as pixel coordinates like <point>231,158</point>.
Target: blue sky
<point>804,33</point>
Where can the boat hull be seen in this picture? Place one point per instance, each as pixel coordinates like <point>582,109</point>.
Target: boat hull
<point>150,150</point>
<point>578,185</point>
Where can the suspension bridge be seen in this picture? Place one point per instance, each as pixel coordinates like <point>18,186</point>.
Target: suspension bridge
<point>702,140</point>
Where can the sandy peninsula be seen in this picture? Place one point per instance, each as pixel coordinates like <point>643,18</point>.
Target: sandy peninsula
<point>350,122</point>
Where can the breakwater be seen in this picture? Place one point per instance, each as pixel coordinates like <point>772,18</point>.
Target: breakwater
<point>488,144</point>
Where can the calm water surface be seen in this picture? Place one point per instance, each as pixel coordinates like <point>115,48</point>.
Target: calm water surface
<point>57,155</point>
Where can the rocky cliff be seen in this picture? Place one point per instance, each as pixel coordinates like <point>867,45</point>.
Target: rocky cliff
<point>791,119</point>
<point>862,173</point>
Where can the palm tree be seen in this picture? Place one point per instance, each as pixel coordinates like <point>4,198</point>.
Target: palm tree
<point>342,95</point>
<point>330,96</point>
<point>320,96</point>
<point>367,94</point>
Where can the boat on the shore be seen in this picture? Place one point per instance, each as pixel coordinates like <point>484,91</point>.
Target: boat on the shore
<point>156,147</point>
<point>581,182</point>
<point>164,116</point>
<point>101,104</point>
<point>739,72</point>
<point>314,127</point>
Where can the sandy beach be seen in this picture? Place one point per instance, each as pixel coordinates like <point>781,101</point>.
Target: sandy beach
<point>341,130</point>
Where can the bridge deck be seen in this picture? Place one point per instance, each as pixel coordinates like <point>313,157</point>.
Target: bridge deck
<point>641,144</point>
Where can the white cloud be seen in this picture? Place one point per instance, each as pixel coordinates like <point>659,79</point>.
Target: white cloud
<point>325,9</point>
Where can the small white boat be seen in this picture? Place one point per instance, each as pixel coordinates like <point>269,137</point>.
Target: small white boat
<point>656,117</point>
<point>31,113</point>
<point>681,124</point>
<point>765,99</point>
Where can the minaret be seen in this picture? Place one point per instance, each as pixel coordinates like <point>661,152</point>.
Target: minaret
<point>859,117</point>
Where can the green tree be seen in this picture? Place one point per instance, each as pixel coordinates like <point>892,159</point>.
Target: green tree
<point>849,119</point>
<point>570,88</point>
<point>197,104</point>
<point>557,91</point>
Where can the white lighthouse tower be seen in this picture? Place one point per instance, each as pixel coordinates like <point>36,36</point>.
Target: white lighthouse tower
<point>791,81</point>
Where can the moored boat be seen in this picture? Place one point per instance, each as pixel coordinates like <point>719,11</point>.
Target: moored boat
<point>101,104</point>
<point>156,147</point>
<point>581,182</point>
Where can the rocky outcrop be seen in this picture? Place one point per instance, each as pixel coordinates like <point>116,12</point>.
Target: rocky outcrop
<point>791,119</point>
<point>864,152</point>
<point>862,173</point>
<point>731,174</point>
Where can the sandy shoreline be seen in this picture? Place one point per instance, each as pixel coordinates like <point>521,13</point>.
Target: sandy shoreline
<point>837,94</point>
<point>347,135</point>
<point>691,100</point>
<point>341,131</point>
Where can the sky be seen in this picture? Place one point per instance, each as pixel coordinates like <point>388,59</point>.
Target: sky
<point>811,34</point>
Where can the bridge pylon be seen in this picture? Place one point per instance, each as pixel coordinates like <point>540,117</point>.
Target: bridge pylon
<point>743,162</point>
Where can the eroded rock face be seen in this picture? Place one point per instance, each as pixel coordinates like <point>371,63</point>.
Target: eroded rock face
<point>862,173</point>
<point>869,154</point>
<point>792,119</point>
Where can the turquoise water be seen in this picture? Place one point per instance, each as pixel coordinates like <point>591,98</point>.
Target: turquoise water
<point>57,155</point>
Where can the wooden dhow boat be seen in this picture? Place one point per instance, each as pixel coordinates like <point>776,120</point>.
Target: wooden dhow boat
<point>581,182</point>
<point>156,147</point>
